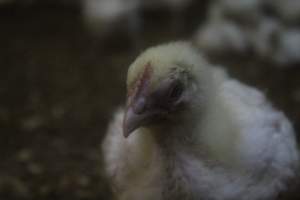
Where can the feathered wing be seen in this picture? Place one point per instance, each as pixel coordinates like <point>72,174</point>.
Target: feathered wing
<point>266,137</point>
<point>266,143</point>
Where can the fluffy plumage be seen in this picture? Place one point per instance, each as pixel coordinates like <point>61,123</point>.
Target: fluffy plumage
<point>220,140</point>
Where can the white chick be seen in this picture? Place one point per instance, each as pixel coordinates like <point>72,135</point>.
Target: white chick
<point>220,37</point>
<point>241,10</point>
<point>191,132</point>
<point>264,37</point>
<point>288,10</point>
<point>104,16</point>
<point>288,48</point>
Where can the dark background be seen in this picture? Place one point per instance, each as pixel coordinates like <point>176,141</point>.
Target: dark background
<point>60,84</point>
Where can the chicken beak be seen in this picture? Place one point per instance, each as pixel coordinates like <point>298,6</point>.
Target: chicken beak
<point>131,121</point>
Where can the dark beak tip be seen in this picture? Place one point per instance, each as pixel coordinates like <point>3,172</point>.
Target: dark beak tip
<point>131,122</point>
<point>127,131</point>
<point>126,134</point>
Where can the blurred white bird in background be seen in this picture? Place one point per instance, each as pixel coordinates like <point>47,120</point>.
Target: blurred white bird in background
<point>288,47</point>
<point>287,10</point>
<point>244,11</point>
<point>189,131</point>
<point>106,17</point>
<point>103,17</point>
<point>263,25</point>
<point>217,36</point>
<point>264,37</point>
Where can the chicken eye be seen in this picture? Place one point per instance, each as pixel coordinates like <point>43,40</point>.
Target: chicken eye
<point>176,91</point>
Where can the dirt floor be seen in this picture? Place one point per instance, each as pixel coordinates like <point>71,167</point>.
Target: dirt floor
<point>59,85</point>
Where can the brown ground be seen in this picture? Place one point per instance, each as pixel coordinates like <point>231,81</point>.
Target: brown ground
<point>59,86</point>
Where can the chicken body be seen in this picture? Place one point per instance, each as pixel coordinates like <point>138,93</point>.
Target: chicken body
<point>227,143</point>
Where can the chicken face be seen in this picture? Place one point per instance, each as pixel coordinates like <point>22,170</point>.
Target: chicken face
<point>147,104</point>
<point>165,85</point>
